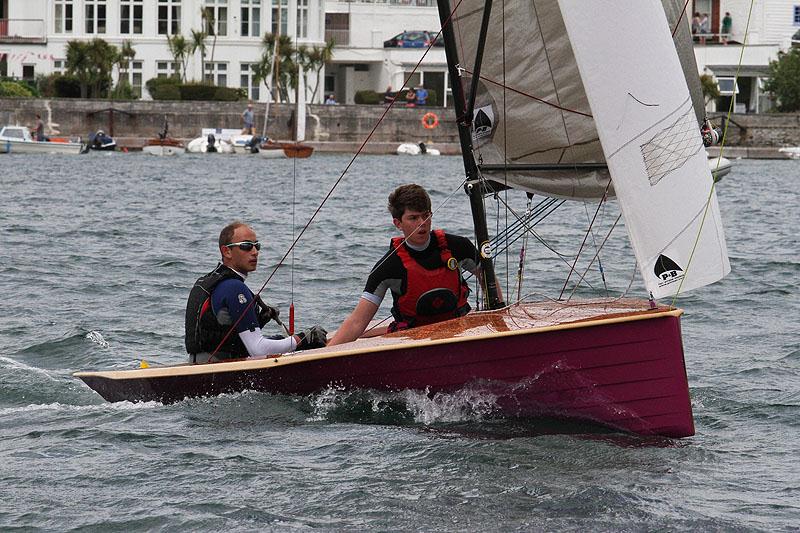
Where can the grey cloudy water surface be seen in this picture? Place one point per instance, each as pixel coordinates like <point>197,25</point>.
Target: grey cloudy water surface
<point>99,252</point>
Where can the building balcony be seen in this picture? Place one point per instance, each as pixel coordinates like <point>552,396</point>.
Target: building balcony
<point>22,31</point>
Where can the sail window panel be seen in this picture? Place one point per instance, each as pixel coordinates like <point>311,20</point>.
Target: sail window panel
<point>131,16</point>
<point>727,86</point>
<point>169,17</point>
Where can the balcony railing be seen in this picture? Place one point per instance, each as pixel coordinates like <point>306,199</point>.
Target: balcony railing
<point>339,37</point>
<point>22,31</point>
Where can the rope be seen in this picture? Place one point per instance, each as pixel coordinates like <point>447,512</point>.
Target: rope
<point>721,151</point>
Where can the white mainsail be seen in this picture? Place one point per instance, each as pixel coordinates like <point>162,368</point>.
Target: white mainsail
<point>650,138</point>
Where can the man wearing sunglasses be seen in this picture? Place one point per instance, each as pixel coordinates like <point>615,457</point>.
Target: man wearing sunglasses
<point>223,316</point>
<point>422,269</point>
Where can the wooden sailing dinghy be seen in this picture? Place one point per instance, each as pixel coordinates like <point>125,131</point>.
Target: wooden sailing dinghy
<point>579,130</point>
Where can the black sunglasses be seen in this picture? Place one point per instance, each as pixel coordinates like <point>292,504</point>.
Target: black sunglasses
<point>245,246</point>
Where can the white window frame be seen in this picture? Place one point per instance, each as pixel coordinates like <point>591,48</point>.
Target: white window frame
<point>62,23</point>
<point>216,73</point>
<point>167,68</point>
<point>246,80</point>
<point>172,19</point>
<point>220,10</point>
<point>284,6</point>
<point>796,15</point>
<point>727,92</point>
<point>91,11</point>
<point>134,7</point>
<point>302,20</point>
<point>59,66</point>
<point>136,77</point>
<point>250,17</point>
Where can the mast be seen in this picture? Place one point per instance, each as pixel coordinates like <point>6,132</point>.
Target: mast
<point>464,122</point>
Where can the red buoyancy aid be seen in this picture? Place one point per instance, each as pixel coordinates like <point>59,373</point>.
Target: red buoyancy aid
<point>431,295</point>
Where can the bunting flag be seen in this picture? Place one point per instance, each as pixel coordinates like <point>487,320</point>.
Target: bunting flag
<point>24,56</point>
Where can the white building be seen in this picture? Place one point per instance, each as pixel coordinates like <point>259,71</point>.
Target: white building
<point>34,34</point>
<point>772,25</point>
<point>360,60</point>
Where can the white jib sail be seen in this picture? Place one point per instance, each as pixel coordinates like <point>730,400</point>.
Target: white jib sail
<point>649,134</point>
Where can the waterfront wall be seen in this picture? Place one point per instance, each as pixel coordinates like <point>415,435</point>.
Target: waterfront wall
<point>344,125</point>
<point>335,128</point>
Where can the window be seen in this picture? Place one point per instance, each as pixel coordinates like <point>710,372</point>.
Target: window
<point>135,77</point>
<point>28,72</point>
<point>166,69</point>
<point>63,16</point>
<point>59,66</point>
<point>251,18</point>
<point>246,81</point>
<point>95,16</point>
<point>283,15</point>
<point>130,17</point>
<point>217,73</point>
<point>302,19</point>
<point>727,86</point>
<point>216,15</point>
<point>169,17</point>
<point>796,17</point>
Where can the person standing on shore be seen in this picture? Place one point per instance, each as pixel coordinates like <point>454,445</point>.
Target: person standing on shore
<point>727,24</point>
<point>249,120</point>
<point>38,129</point>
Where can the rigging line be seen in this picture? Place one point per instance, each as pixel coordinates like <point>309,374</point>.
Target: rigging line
<point>680,18</point>
<point>522,93</point>
<point>721,151</point>
<point>596,255</point>
<point>594,243</point>
<point>324,200</point>
<point>505,140</point>
<point>553,78</point>
<point>588,230</point>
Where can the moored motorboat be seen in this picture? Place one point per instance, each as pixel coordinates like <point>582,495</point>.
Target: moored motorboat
<point>165,146</point>
<point>720,166</point>
<point>99,141</point>
<point>416,149</point>
<point>284,149</point>
<point>792,152</point>
<point>18,139</point>
<point>208,144</point>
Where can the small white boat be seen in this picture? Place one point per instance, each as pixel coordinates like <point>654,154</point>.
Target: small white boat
<point>792,152</point>
<point>416,149</point>
<point>167,146</point>
<point>720,166</point>
<point>17,139</point>
<point>243,144</point>
<point>203,145</point>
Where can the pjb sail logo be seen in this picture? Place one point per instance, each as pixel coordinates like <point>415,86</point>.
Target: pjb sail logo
<point>482,123</point>
<point>667,271</point>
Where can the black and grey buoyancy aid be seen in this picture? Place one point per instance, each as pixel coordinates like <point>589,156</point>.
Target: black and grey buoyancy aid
<point>203,332</point>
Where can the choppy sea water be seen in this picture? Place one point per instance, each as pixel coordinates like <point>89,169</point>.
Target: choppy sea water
<point>98,254</point>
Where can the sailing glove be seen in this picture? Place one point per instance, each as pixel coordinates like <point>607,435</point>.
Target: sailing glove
<point>313,337</point>
<point>265,312</point>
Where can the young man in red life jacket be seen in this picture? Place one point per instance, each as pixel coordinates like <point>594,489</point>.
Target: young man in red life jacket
<point>221,318</point>
<point>422,269</point>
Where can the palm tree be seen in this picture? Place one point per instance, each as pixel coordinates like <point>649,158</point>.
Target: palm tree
<point>179,49</point>
<point>126,55</point>
<point>103,56</point>
<point>199,43</point>
<point>79,65</point>
<point>316,58</point>
<point>207,14</point>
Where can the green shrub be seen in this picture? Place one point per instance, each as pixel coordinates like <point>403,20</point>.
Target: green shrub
<point>167,92</point>
<point>15,89</point>
<point>67,86</point>
<point>368,97</point>
<point>197,91</point>
<point>154,85</point>
<point>123,91</point>
<point>227,94</point>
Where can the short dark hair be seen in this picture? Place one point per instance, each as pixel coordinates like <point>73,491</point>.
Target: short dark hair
<point>226,234</point>
<point>411,196</point>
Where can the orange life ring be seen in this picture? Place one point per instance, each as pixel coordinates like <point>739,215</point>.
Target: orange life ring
<point>430,120</point>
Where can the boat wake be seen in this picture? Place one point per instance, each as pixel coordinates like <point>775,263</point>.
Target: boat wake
<point>335,404</point>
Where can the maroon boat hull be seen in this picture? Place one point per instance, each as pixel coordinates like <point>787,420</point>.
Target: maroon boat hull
<point>628,375</point>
